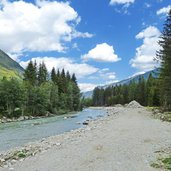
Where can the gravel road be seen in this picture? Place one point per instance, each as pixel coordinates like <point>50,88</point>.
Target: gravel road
<point>124,141</point>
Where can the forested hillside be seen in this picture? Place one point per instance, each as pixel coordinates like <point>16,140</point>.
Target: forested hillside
<point>39,93</point>
<point>146,92</point>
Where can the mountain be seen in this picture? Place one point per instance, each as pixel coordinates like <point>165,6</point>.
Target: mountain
<point>9,68</point>
<point>154,73</point>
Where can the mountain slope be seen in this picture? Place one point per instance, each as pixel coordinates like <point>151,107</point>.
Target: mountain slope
<point>9,68</point>
<point>154,72</point>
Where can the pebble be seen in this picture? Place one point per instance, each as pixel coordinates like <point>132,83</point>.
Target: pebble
<point>58,144</point>
<point>2,160</point>
<point>13,161</point>
<point>88,129</point>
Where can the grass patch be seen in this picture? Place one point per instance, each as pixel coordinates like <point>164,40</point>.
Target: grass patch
<point>163,163</point>
<point>21,154</point>
<point>167,163</point>
<point>156,165</point>
<point>158,113</point>
<point>166,116</point>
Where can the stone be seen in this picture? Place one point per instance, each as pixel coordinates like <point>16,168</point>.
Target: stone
<point>2,160</point>
<point>13,161</point>
<point>86,122</point>
<point>26,117</point>
<point>58,144</point>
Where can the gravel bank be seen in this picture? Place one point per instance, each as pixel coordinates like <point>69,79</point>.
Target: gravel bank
<point>125,140</point>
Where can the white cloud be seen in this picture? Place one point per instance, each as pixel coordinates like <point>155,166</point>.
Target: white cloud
<point>44,26</point>
<point>145,54</point>
<point>164,10</point>
<point>102,52</point>
<point>113,2</point>
<point>80,69</point>
<point>84,87</point>
<point>149,32</point>
<point>107,75</point>
<point>104,70</point>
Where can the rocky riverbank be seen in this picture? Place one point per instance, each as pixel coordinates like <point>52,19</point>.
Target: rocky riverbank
<point>7,159</point>
<point>126,139</point>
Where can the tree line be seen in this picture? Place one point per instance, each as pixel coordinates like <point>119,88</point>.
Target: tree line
<point>164,56</point>
<point>150,92</point>
<point>144,91</point>
<point>40,93</point>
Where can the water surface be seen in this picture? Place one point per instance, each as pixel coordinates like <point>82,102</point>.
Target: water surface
<point>16,134</point>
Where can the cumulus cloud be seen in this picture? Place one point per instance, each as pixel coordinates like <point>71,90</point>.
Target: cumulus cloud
<point>44,26</point>
<point>149,32</point>
<point>84,87</point>
<point>164,11</point>
<point>103,53</point>
<point>80,69</point>
<point>113,2</point>
<point>145,54</point>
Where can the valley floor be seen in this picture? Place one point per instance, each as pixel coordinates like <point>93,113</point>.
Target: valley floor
<point>126,140</point>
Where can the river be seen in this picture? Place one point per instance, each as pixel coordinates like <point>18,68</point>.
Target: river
<point>17,134</point>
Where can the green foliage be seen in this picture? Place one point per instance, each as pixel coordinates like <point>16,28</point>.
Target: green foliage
<point>145,92</point>
<point>42,74</point>
<point>38,96</point>
<point>164,55</point>
<point>167,163</point>
<point>21,154</point>
<point>10,97</point>
<point>163,163</point>
<point>30,74</point>
<point>86,102</point>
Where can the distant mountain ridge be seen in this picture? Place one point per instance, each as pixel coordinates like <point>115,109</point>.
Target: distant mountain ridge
<point>154,73</point>
<point>9,68</point>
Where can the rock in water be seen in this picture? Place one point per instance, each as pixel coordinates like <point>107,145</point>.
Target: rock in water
<point>134,104</point>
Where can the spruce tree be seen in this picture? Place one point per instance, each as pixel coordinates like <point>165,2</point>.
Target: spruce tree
<point>74,78</point>
<point>164,55</point>
<point>30,74</point>
<point>42,73</point>
<point>53,75</point>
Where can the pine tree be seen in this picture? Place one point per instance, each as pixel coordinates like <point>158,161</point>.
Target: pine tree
<point>30,74</point>
<point>164,55</point>
<point>74,78</point>
<point>68,76</point>
<point>42,74</point>
<point>149,90</point>
<point>76,93</point>
<point>53,75</point>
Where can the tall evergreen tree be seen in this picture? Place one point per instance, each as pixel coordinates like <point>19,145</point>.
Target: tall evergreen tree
<point>30,74</point>
<point>68,75</point>
<point>164,55</point>
<point>42,73</point>
<point>74,78</point>
<point>53,75</point>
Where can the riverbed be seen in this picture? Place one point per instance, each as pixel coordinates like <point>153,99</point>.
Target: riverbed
<point>17,134</point>
<point>126,139</point>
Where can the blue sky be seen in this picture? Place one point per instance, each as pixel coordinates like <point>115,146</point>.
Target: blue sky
<point>101,41</point>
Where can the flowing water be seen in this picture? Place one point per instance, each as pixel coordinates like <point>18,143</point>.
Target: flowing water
<point>16,134</point>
